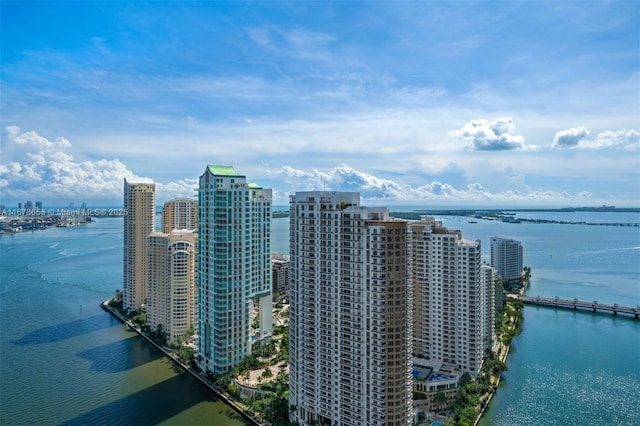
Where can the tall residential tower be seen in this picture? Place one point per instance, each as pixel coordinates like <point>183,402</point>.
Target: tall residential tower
<point>234,267</point>
<point>350,313</point>
<point>171,282</point>
<point>179,213</point>
<point>449,304</point>
<point>139,222</point>
<point>488,279</point>
<point>506,257</point>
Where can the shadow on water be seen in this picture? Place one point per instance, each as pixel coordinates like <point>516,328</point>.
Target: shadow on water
<point>59,332</point>
<point>169,398</point>
<point>121,355</point>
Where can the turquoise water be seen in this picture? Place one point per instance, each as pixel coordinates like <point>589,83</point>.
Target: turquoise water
<point>64,361</point>
<point>566,367</point>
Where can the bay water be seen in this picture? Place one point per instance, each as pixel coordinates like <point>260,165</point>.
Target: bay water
<point>63,360</point>
<point>570,367</point>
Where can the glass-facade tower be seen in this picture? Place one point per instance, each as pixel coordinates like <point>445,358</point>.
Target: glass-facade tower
<point>234,267</point>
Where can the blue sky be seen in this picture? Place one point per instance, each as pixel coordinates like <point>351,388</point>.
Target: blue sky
<point>417,103</point>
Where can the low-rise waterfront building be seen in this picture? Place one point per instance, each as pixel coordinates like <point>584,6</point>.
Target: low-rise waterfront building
<point>430,378</point>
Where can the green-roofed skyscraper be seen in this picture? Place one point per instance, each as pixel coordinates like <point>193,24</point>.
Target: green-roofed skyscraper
<point>234,267</point>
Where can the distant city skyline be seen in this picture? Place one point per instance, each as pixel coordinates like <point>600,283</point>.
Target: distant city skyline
<point>443,104</point>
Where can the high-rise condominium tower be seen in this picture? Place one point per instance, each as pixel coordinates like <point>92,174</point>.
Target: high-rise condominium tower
<point>234,266</point>
<point>449,313</point>
<point>488,278</point>
<point>506,257</point>
<point>139,222</point>
<point>179,213</point>
<point>171,282</point>
<point>350,313</point>
<point>280,274</point>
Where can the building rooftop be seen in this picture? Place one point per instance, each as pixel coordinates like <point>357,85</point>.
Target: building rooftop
<point>222,170</point>
<point>183,231</point>
<point>137,180</point>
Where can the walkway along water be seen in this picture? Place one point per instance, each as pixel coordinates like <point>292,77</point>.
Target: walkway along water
<point>503,353</point>
<point>219,393</point>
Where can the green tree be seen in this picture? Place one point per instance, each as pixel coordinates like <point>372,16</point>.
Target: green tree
<point>266,373</point>
<point>419,395</point>
<point>234,390</point>
<point>440,398</point>
<point>140,319</point>
<point>280,329</point>
<point>284,345</point>
<point>467,416</point>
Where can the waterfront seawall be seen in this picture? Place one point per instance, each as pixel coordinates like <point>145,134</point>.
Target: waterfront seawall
<point>218,392</point>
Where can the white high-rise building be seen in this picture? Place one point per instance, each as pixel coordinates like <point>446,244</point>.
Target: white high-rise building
<point>488,278</point>
<point>506,257</point>
<point>171,282</point>
<point>234,267</point>
<point>139,222</point>
<point>449,316</point>
<point>350,313</point>
<point>179,213</point>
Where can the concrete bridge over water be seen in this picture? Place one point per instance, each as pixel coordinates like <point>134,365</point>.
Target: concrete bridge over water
<point>594,306</point>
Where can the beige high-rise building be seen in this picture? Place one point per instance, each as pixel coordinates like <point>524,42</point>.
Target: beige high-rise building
<point>450,313</point>
<point>171,283</point>
<point>139,222</point>
<point>351,325</point>
<point>179,213</point>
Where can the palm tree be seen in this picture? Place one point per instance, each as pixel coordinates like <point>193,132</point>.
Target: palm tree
<point>440,398</point>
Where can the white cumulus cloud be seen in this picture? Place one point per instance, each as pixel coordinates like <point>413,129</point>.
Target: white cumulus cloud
<point>570,137</point>
<point>38,168</point>
<point>496,135</point>
<point>342,178</point>
<point>373,188</point>
<point>577,137</point>
<point>628,139</point>
<point>187,187</point>
<point>41,168</point>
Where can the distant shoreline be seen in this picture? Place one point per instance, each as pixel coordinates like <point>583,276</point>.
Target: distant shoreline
<point>508,216</point>
<point>492,213</point>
